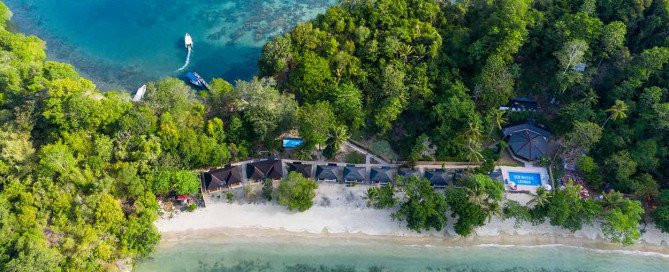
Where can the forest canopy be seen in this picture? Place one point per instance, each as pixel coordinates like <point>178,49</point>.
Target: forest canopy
<point>81,170</point>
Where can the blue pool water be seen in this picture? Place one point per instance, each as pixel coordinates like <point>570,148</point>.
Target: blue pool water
<point>292,142</point>
<point>526,179</point>
<point>122,44</point>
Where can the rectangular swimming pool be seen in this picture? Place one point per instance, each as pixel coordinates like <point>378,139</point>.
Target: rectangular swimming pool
<point>525,179</point>
<point>292,142</point>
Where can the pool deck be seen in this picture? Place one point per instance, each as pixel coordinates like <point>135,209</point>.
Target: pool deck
<point>542,171</point>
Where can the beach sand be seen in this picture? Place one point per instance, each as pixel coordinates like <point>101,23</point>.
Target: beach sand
<point>341,212</point>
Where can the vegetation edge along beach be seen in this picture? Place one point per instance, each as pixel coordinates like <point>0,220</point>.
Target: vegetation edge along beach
<point>427,86</point>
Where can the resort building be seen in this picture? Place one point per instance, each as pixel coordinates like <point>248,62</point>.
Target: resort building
<point>520,104</point>
<point>267,169</point>
<point>227,177</point>
<point>438,178</point>
<point>526,141</point>
<point>354,174</point>
<point>299,167</point>
<point>329,173</point>
<point>407,173</point>
<point>381,175</point>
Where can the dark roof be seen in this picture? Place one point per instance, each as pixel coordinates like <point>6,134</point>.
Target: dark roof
<point>521,104</point>
<point>381,175</point>
<point>304,169</point>
<point>408,173</point>
<point>438,178</point>
<point>496,176</point>
<point>219,178</point>
<point>525,126</point>
<point>261,170</point>
<point>354,173</point>
<point>327,172</point>
<point>528,144</point>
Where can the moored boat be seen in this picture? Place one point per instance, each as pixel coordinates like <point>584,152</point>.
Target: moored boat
<point>195,79</point>
<point>139,94</point>
<point>188,41</point>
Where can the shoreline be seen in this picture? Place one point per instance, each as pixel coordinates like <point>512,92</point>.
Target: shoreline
<point>497,233</point>
<point>341,213</point>
<point>223,235</point>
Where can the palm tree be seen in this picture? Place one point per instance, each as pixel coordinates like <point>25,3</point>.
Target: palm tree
<point>541,197</point>
<point>473,151</point>
<point>478,195</point>
<point>494,209</point>
<point>590,97</point>
<point>612,200</point>
<point>497,117</point>
<point>617,111</point>
<point>338,137</point>
<point>473,131</point>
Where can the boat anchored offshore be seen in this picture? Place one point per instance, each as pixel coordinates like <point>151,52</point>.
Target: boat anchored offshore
<point>139,94</point>
<point>197,80</point>
<point>188,41</point>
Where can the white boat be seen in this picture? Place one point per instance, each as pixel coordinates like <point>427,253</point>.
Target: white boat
<point>139,94</point>
<point>188,41</point>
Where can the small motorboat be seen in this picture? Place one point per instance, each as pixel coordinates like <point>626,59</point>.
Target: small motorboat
<point>197,80</point>
<point>139,94</point>
<point>188,41</point>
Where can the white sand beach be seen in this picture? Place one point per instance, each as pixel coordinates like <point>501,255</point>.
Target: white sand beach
<point>342,211</point>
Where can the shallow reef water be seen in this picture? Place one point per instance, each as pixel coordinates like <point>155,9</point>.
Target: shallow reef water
<point>122,44</point>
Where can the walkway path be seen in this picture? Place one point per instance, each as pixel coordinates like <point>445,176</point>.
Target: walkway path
<point>368,155</point>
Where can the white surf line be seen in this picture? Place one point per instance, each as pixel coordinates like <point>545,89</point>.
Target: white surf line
<point>187,59</point>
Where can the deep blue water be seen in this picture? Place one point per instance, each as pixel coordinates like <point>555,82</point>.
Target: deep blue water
<point>121,44</point>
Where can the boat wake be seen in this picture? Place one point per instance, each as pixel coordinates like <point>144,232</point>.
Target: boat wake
<point>190,49</point>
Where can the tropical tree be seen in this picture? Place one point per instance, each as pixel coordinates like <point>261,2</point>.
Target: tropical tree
<point>296,192</point>
<point>612,200</point>
<point>423,209</point>
<point>337,138</point>
<point>617,112</point>
<point>541,197</point>
<point>498,118</point>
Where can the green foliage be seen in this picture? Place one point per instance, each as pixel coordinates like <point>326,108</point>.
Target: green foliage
<point>477,200</point>
<point>566,208</point>
<point>583,136</point>
<point>590,171</point>
<point>423,209</point>
<point>661,214</point>
<point>620,224</point>
<point>185,182</point>
<point>316,121</point>
<point>296,192</point>
<point>267,189</point>
<point>382,197</point>
<point>229,196</point>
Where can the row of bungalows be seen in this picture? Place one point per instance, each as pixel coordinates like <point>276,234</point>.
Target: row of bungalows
<point>232,176</point>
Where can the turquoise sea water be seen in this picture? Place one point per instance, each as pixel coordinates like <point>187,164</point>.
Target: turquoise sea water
<point>124,43</point>
<point>311,254</point>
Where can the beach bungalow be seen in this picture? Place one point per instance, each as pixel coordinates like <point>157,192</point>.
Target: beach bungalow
<point>519,104</point>
<point>267,169</point>
<point>299,167</point>
<point>438,178</point>
<point>227,177</point>
<point>406,173</point>
<point>328,173</point>
<point>526,141</point>
<point>355,174</point>
<point>381,175</point>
